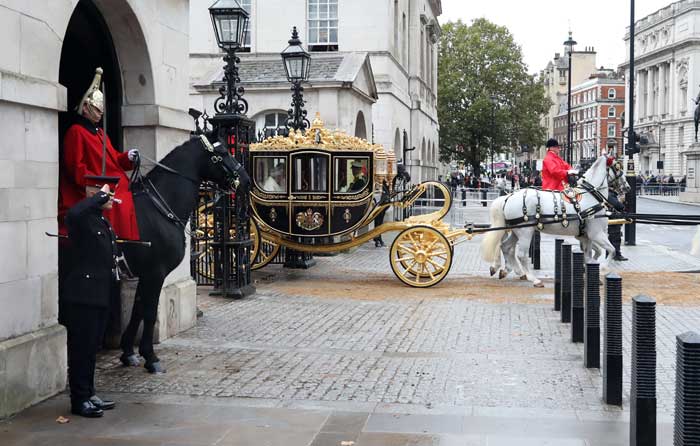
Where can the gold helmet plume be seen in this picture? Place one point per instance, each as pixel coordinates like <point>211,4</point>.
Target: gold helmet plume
<point>93,95</point>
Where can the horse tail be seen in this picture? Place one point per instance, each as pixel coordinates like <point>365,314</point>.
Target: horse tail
<point>491,244</point>
<point>695,250</point>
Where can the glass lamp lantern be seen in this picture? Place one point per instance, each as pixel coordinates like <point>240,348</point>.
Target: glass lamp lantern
<point>296,60</point>
<point>230,22</point>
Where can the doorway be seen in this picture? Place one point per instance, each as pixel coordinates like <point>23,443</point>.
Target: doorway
<point>87,45</point>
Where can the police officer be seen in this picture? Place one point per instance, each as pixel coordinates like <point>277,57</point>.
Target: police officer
<point>615,231</point>
<point>88,289</point>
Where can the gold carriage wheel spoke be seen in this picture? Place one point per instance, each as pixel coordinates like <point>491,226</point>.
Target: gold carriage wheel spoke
<point>406,249</point>
<point>432,276</point>
<point>438,267</point>
<point>430,246</point>
<point>419,272</point>
<point>403,259</point>
<point>413,241</point>
<point>408,269</point>
<point>439,253</point>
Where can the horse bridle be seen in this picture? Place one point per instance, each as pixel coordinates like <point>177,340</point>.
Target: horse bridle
<point>159,202</point>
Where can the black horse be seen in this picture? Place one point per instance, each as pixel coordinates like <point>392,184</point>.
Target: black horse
<point>164,200</point>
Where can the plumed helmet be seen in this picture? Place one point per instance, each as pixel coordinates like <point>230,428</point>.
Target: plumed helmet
<point>93,95</point>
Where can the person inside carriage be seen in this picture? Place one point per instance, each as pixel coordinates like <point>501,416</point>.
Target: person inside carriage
<point>555,170</point>
<point>358,178</point>
<point>276,181</point>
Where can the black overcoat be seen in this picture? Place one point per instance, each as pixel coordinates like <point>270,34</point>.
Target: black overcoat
<point>91,276</point>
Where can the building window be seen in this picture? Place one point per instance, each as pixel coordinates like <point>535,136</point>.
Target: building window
<point>681,136</point>
<point>611,112</point>
<point>247,5</point>
<point>611,130</point>
<point>611,93</point>
<point>323,25</point>
<point>404,45</point>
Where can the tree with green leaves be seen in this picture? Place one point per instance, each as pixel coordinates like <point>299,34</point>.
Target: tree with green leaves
<point>485,94</point>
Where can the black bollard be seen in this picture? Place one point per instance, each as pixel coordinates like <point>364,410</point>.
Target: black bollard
<point>557,274</point>
<point>591,336</point>
<point>565,271</point>
<point>612,350</point>
<point>536,250</point>
<point>686,428</point>
<point>577,291</point>
<point>643,391</point>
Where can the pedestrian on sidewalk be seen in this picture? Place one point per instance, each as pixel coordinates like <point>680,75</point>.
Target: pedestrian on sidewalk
<point>90,286</point>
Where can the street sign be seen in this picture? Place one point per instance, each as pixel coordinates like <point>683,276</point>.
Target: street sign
<point>630,167</point>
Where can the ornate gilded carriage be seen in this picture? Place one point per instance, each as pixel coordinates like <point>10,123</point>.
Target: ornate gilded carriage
<point>315,191</point>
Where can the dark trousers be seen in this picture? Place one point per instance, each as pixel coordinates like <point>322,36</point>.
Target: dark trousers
<point>86,326</point>
<point>615,237</point>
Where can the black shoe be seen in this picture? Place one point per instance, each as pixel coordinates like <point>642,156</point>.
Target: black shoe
<point>86,409</point>
<point>620,258</point>
<point>102,404</point>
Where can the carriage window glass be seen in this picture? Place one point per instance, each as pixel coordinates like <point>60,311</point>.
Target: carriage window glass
<point>350,175</point>
<point>271,174</point>
<point>310,173</point>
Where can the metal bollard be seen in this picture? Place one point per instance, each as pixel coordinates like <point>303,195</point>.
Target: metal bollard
<point>686,429</point>
<point>643,392</point>
<point>557,274</point>
<point>612,350</point>
<point>577,290</point>
<point>591,336</point>
<point>536,250</point>
<point>565,292</point>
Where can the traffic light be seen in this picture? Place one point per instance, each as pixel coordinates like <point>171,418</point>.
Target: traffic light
<point>638,140</point>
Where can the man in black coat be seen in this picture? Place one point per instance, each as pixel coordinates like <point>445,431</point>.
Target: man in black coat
<point>88,290</point>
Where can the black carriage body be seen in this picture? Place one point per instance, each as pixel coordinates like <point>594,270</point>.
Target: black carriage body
<point>311,192</point>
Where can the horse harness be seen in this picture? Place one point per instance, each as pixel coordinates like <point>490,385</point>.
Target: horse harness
<point>148,188</point>
<point>572,195</point>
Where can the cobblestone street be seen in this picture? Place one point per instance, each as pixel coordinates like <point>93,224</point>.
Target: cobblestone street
<point>471,360</point>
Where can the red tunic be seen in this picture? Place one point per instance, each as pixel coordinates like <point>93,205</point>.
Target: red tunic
<point>82,155</point>
<point>554,171</point>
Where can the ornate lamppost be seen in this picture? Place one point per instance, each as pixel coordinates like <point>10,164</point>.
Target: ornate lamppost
<point>570,50</point>
<point>296,65</point>
<point>232,241</point>
<point>494,102</point>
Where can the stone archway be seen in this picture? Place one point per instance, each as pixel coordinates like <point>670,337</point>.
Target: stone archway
<point>360,125</point>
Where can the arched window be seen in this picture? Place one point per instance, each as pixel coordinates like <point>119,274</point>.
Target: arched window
<point>360,125</point>
<point>611,112</point>
<point>423,152</point>
<point>397,144</point>
<point>611,93</point>
<point>271,122</point>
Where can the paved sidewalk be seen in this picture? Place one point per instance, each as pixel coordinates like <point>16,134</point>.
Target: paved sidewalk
<point>345,355</point>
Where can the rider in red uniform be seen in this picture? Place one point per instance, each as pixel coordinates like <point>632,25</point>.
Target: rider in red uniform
<point>555,170</point>
<point>82,155</point>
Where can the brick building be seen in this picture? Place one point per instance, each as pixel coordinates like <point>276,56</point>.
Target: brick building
<point>597,114</point>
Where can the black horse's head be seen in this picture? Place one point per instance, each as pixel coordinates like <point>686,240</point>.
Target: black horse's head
<point>220,166</point>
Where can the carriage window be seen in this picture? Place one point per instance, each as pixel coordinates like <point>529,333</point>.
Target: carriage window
<point>350,174</point>
<point>271,174</point>
<point>310,173</point>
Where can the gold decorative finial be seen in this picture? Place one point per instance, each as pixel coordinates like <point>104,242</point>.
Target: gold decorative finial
<point>317,123</point>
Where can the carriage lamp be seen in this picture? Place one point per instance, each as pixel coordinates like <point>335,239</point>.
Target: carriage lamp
<point>296,60</point>
<point>230,22</point>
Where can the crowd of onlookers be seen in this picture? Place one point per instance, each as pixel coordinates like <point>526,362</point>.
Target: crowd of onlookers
<point>502,181</point>
<point>648,184</point>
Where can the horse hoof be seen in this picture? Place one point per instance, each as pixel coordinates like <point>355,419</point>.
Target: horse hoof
<point>492,271</point>
<point>538,285</point>
<point>130,360</point>
<point>523,277</point>
<point>502,274</point>
<point>155,368</point>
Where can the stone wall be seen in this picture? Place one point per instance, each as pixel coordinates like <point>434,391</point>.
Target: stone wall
<point>154,65</point>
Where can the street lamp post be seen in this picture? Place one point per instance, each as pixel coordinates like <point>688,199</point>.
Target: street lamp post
<point>494,102</point>
<point>570,50</point>
<point>631,198</point>
<point>297,63</point>
<point>232,243</point>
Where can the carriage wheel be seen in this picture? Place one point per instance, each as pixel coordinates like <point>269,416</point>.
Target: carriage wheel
<point>421,256</point>
<point>263,250</point>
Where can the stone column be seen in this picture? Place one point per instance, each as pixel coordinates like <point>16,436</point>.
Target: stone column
<point>650,92</point>
<point>661,69</point>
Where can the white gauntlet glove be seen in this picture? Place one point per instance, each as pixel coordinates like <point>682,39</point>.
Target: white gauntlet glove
<point>132,154</point>
<point>572,172</point>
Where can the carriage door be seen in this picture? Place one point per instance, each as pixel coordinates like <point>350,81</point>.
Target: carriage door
<point>310,194</point>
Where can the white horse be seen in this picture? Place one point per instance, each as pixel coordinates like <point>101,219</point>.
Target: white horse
<point>559,214</point>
